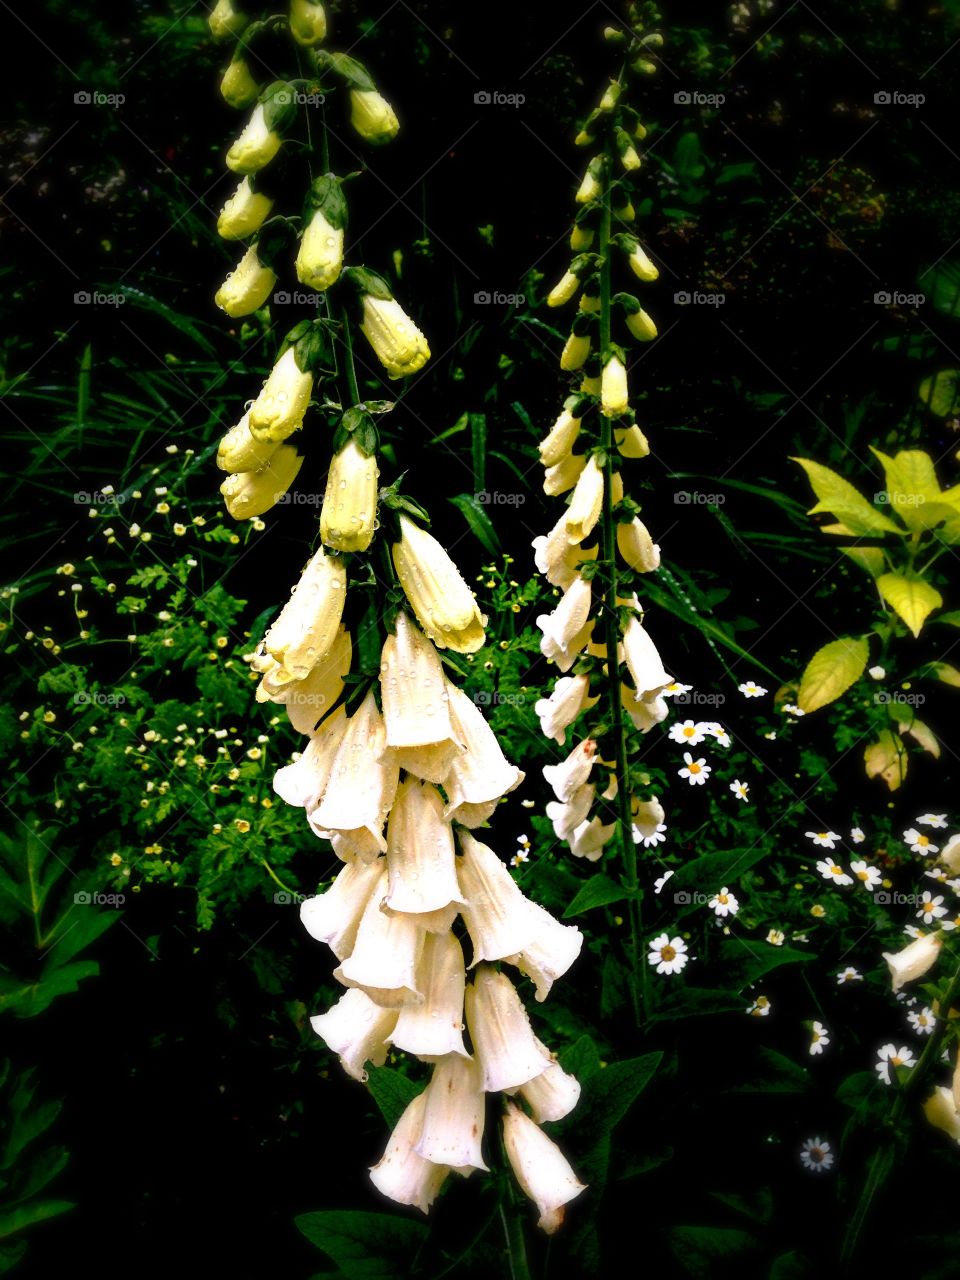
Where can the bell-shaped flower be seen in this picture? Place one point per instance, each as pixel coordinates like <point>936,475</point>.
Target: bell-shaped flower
<point>643,661</point>
<point>357,1030</point>
<point>496,912</point>
<point>570,775</point>
<point>240,450</point>
<point>540,1167</point>
<point>637,547</point>
<point>226,20</point>
<point>279,408</point>
<point>564,290</point>
<point>589,839</point>
<point>586,503</point>
<point>614,394</point>
<point>320,256</point>
<point>567,817</point>
<point>631,442</point>
<point>415,703</point>
<point>557,558</point>
<point>237,85</point>
<point>641,325</point>
<point>308,700</point>
<point>941,1111</point>
<point>553,1094</point>
<point>434,1029</point>
<point>334,917</point>
<point>453,1117</point>
<point>560,439</point>
<point>568,629</point>
<point>256,146</point>
<point>641,265</point>
<point>421,861</point>
<point>396,341</point>
<point>309,622</point>
<point>403,1174</point>
<point>570,696</point>
<point>308,22</point>
<point>361,788</point>
<point>575,352</point>
<point>551,951</point>
<point>503,1040</point>
<point>563,475</point>
<point>914,960</point>
<point>443,604</point>
<point>244,213</point>
<point>373,117</point>
<point>252,493</point>
<point>647,817</point>
<point>949,855</point>
<point>303,782</point>
<point>384,959</point>
<point>247,287</point>
<point>645,713</point>
<point>349,511</point>
<point>481,773</point>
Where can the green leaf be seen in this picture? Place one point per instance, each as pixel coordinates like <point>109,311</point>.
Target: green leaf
<point>943,672</point>
<point>392,1092</point>
<point>481,526</point>
<point>793,1266</point>
<point>832,670</point>
<point>871,559</point>
<point>941,392</point>
<point>581,1059</point>
<point>365,1246</point>
<point>776,1074</point>
<point>912,598</point>
<point>838,496</point>
<point>23,1216</point>
<point>706,1252</point>
<point>743,963</point>
<point>599,891</point>
<point>913,489</point>
<point>478,450</point>
<point>711,871</point>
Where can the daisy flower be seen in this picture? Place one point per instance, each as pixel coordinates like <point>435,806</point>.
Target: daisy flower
<point>891,1057</point>
<point>776,937</point>
<point>818,911</point>
<point>739,788</point>
<point>951,924</point>
<point>669,955</point>
<point>760,1008</point>
<point>922,1022</point>
<point>724,903</point>
<point>849,974</point>
<point>830,871</point>
<point>671,690</point>
<point>870,877</point>
<point>919,843</point>
<point>696,771</point>
<point>857,836</point>
<point>932,820</point>
<point>688,732</point>
<point>820,1038</point>
<point>930,907</point>
<point>791,710</point>
<point>938,874</point>
<point>823,839</point>
<point>816,1155</point>
<point>718,733</point>
<point>750,689</point>
<point>653,839</point>
<point>658,884</point>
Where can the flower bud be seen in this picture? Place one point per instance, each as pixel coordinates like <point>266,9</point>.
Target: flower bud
<point>396,341</point>
<point>239,450</point>
<point>631,442</point>
<point>627,152</point>
<point>560,439</point>
<point>237,86</point>
<point>251,493</point>
<point>564,291</point>
<point>591,188</point>
<point>247,287</point>
<point>244,213</point>
<point>349,509</point>
<point>641,326</point>
<point>373,117</point>
<point>641,265</point>
<point>587,501</point>
<point>279,408</point>
<point>625,212</point>
<point>225,21</point>
<point>581,238</point>
<point>256,145</point>
<point>614,394</point>
<point>308,22</point>
<point>441,601</point>
<point>540,1167</point>
<point>575,352</point>
<point>320,257</point>
<point>914,960</point>
<point>563,475</point>
<point>637,547</point>
<point>307,626</point>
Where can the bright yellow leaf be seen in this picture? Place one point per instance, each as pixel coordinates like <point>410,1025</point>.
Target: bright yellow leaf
<point>832,670</point>
<point>912,598</point>
<point>840,498</point>
<point>887,759</point>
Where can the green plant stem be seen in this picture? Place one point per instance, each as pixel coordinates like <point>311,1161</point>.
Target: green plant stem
<point>516,1247</point>
<point>628,850</point>
<point>348,365</point>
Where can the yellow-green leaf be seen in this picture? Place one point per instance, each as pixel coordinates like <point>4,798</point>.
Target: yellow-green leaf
<point>887,759</point>
<point>944,672</point>
<point>913,488</point>
<point>923,734</point>
<point>941,392</point>
<point>912,598</point>
<point>871,559</point>
<point>832,670</point>
<point>840,498</point>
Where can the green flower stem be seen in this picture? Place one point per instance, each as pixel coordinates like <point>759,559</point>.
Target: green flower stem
<point>628,852</point>
<point>348,365</point>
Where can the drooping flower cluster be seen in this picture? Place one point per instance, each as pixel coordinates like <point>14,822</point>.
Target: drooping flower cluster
<point>399,770</point>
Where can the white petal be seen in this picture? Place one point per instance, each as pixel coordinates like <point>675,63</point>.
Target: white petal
<point>302,783</point>
<point>481,773</point>
<point>496,912</point>
<point>550,953</point>
<point>402,1174</point>
<point>434,1028</point>
<point>412,687</point>
<point>569,776</point>
<point>500,1030</point>
<point>357,1030</point>
<point>363,779</point>
<point>540,1167</point>
<point>334,917</point>
<point>384,959</point>
<point>453,1116</point>
<point>643,661</point>
<point>420,856</point>
<point>553,1094</point>
<point>567,817</point>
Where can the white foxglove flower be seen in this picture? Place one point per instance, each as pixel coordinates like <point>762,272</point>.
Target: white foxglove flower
<point>402,1174</point>
<point>383,962</point>
<point>950,855</point>
<point>308,624</point>
<point>240,450</point>
<point>320,256</point>
<point>252,493</point>
<point>552,1095</point>
<point>357,1031</point>
<point>914,960</point>
<point>644,712</point>
<point>453,1116</point>
<point>643,661</point>
<point>421,866</point>
<point>587,502</point>
<point>550,953</point>
<point>349,512</point>
<point>647,817</point>
<point>361,787</point>
<point>396,341</point>
<point>614,394</point>
<point>589,839</point>
<point>568,629</point>
<point>244,213</point>
<point>443,603</point>
<point>557,557</point>
<point>569,776</point>
<point>637,547</point>
<point>540,1167</point>
<point>434,1029</point>
<point>941,1111</point>
<point>567,817</point>
<point>563,475</point>
<point>372,116</point>
<point>304,782</point>
<point>247,287</point>
<point>496,912</point>
<point>416,703</point>
<point>503,1039</point>
<point>279,408</point>
<point>481,773</point>
<point>256,146</point>
<point>334,917</point>
<point>560,440</point>
<point>570,696</point>
<point>308,700</point>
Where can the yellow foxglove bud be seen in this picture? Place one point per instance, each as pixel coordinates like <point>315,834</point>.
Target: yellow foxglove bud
<point>372,116</point>
<point>350,500</point>
<point>308,22</point>
<point>247,287</point>
<point>320,257</point>
<point>396,341</point>
<point>239,450</point>
<point>308,624</point>
<point>641,266</point>
<point>560,439</point>
<point>564,291</point>
<point>637,547</point>
<point>225,21</point>
<point>244,212</point>
<point>581,238</point>
<point>256,145</point>
<point>631,442</point>
<point>251,493</point>
<point>238,87</point>
<point>563,475</point>
<point>279,408</point>
<point>590,188</point>
<point>641,326</point>
<point>442,602</point>
<point>611,96</point>
<point>626,213</point>
<point>614,395</point>
<point>627,152</point>
<point>587,502</point>
<point>590,303</point>
<point>575,352</point>
<point>590,386</point>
